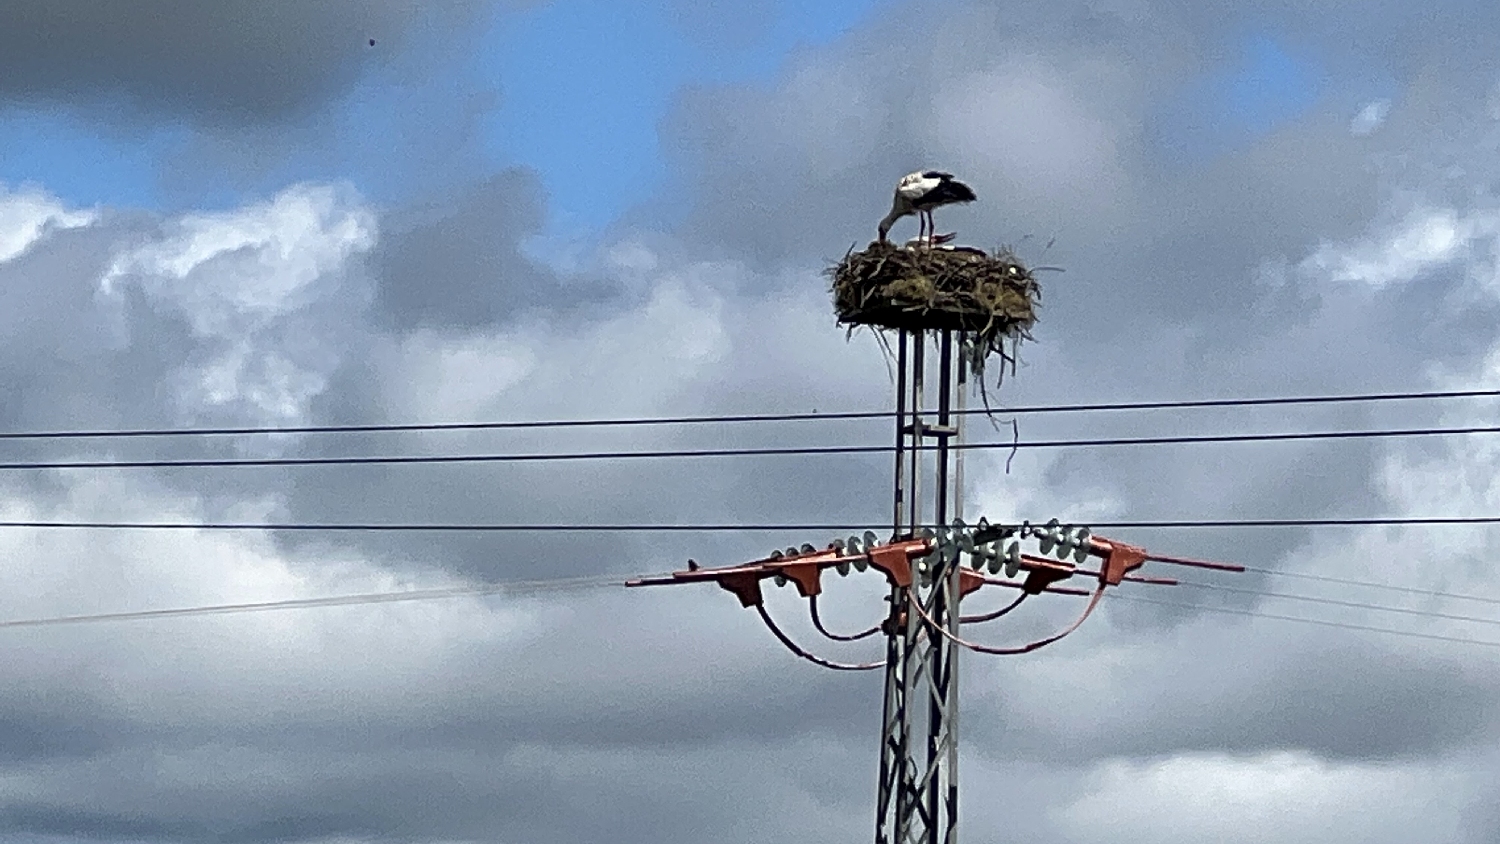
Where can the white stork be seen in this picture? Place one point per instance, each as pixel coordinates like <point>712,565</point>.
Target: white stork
<point>920,192</point>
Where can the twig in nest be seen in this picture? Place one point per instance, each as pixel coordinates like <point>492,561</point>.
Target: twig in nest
<point>889,357</point>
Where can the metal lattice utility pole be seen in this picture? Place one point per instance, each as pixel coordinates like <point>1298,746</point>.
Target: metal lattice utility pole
<point>917,796</point>
<point>923,562</point>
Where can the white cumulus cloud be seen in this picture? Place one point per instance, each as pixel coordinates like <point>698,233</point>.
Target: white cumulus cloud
<point>267,287</point>
<point>28,214</point>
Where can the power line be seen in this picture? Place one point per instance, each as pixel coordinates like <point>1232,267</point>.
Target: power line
<point>373,527</point>
<point>523,587</point>
<point>1303,620</point>
<point>519,587</point>
<point>717,527</point>
<point>1343,581</point>
<point>1334,602</point>
<point>1358,521</point>
<point>732,418</point>
<point>363,460</point>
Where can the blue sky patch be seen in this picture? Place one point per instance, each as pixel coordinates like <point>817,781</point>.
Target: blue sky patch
<point>1260,85</point>
<point>1270,86</point>
<point>582,87</point>
<point>584,84</point>
<point>68,156</point>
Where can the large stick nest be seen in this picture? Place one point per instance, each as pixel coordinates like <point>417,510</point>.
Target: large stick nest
<point>991,298</point>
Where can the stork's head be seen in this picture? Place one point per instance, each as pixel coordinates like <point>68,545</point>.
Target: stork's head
<point>899,209</point>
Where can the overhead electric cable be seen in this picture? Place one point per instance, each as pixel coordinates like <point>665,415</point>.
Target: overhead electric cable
<point>539,457</point>
<point>777,528</point>
<point>416,427</point>
<point>1115,596</point>
<point>719,527</point>
<point>520,587</point>
<point>1334,602</point>
<point>594,582</point>
<point>1391,587</point>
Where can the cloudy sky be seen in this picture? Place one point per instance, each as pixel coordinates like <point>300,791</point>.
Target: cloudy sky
<point>246,215</point>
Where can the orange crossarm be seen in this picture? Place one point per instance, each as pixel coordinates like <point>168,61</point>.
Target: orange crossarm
<point>804,570</point>
<point>894,560</point>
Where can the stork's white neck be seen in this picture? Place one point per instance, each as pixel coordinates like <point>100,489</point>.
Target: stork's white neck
<point>897,212</point>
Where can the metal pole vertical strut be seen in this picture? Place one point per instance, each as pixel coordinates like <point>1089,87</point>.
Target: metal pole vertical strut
<point>941,651</point>
<point>961,401</point>
<point>893,714</point>
<point>917,800</point>
<point>953,589</point>
<point>945,418</point>
<point>901,422</point>
<point>915,429</point>
<point>910,806</point>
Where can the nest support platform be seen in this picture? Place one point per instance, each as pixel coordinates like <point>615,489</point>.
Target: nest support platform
<point>992,298</point>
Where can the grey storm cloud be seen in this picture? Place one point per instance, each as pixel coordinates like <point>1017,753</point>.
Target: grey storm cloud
<point>459,265</point>
<point>1340,697</point>
<point>247,63</point>
<point>672,715</point>
<point>1166,289</point>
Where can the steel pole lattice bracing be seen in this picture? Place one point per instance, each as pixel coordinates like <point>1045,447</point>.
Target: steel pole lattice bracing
<point>917,793</point>
<point>917,797</point>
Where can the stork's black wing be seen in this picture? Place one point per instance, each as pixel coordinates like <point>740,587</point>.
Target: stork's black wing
<point>948,191</point>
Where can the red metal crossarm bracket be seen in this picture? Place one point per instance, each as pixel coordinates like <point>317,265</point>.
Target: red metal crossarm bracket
<point>805,571</point>
<point>1121,558</point>
<point>1042,573</point>
<point>894,560</point>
